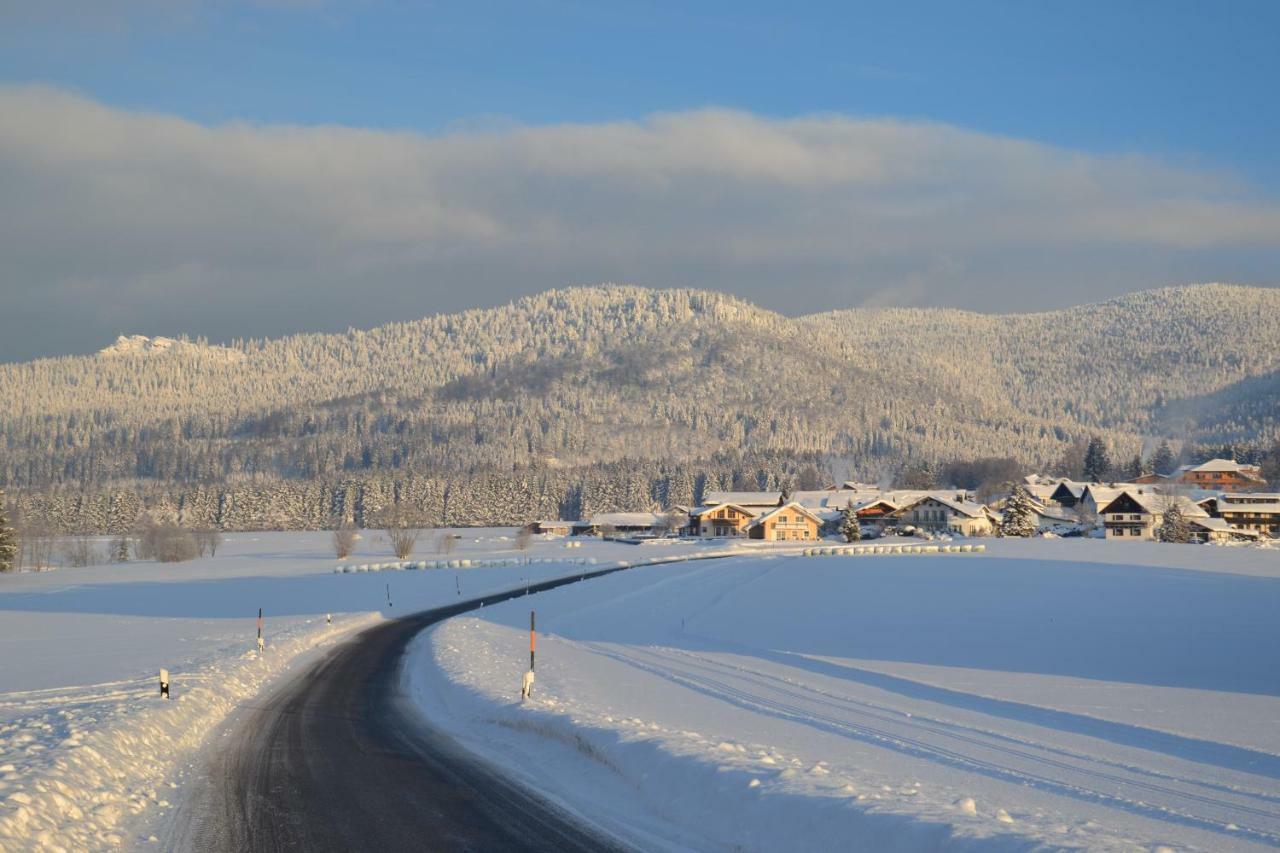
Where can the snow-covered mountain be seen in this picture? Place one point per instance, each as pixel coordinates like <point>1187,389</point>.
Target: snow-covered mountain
<point>589,375</point>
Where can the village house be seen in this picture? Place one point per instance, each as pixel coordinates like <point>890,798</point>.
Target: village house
<point>1135,517</point>
<point>1259,512</point>
<point>627,524</point>
<point>1068,493</point>
<point>951,513</point>
<point>788,523</point>
<point>1222,475</point>
<point>876,513</point>
<point>720,521</point>
<point>556,527</point>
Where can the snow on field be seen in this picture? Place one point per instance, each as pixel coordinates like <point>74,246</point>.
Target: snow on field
<point>89,753</point>
<point>1061,694</point>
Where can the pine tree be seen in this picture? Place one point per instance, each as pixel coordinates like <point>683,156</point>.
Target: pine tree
<point>1133,470</point>
<point>1163,461</point>
<point>849,527</point>
<point>8,541</point>
<point>1019,515</point>
<point>1174,526</point>
<point>1097,462</point>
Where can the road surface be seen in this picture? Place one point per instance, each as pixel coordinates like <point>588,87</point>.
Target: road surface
<point>339,760</point>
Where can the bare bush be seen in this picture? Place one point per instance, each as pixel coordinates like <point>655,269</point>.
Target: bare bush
<point>78,551</point>
<point>175,545</point>
<point>344,538</point>
<point>445,542</point>
<point>35,544</point>
<point>207,540</point>
<point>403,529</point>
<point>524,536</point>
<point>166,542</point>
<point>119,549</point>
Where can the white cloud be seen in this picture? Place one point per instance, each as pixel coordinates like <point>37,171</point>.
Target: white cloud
<point>173,226</point>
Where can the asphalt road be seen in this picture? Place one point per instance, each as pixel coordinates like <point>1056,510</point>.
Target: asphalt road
<point>338,760</point>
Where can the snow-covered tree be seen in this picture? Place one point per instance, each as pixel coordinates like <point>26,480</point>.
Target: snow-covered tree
<point>850,529</point>
<point>1174,526</point>
<point>1019,515</point>
<point>8,540</point>
<point>1097,461</point>
<point>1163,462</point>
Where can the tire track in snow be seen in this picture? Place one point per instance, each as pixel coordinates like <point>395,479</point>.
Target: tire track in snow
<point>934,740</point>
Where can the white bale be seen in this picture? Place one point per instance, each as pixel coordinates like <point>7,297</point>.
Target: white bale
<point>979,548</point>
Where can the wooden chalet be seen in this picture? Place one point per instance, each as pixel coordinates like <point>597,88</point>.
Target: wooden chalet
<point>788,523</point>
<point>720,521</point>
<point>1222,475</point>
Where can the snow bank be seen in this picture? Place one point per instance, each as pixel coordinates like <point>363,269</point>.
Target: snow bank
<point>122,755</point>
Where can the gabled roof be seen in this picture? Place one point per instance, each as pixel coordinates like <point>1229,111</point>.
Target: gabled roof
<point>1218,466</point>
<point>703,510</point>
<point>875,502</point>
<point>969,508</point>
<point>791,507</point>
<point>1069,487</point>
<point>1153,504</point>
<point>743,498</point>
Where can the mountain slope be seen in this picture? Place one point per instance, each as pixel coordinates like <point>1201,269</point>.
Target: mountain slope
<point>587,375</point>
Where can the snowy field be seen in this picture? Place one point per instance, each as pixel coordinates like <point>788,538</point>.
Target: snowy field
<point>90,757</point>
<point>1046,694</point>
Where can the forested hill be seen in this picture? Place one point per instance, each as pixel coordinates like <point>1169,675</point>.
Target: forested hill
<point>588,375</point>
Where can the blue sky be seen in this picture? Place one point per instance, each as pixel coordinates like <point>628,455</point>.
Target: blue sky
<point>234,168</point>
<point>1193,81</point>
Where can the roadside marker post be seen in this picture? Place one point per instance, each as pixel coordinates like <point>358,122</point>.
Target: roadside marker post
<point>261,645</point>
<point>164,684</point>
<point>526,683</point>
<point>389,604</point>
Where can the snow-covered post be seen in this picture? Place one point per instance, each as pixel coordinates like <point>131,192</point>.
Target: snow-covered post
<point>164,684</point>
<point>328,619</point>
<point>261,644</point>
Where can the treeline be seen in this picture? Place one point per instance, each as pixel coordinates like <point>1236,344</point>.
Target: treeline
<point>473,500</point>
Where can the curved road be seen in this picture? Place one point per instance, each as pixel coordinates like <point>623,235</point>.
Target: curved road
<point>338,760</point>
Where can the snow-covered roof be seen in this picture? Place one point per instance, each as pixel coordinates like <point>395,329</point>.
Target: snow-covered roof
<point>1054,513</point>
<point>833,498</point>
<point>1248,497</point>
<point>791,507</point>
<point>1103,495</point>
<point>703,510</point>
<point>1221,466</point>
<point>743,498</point>
<point>948,499</point>
<point>1155,504</point>
<point>1220,525</point>
<point>629,519</point>
<point>1271,506</point>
